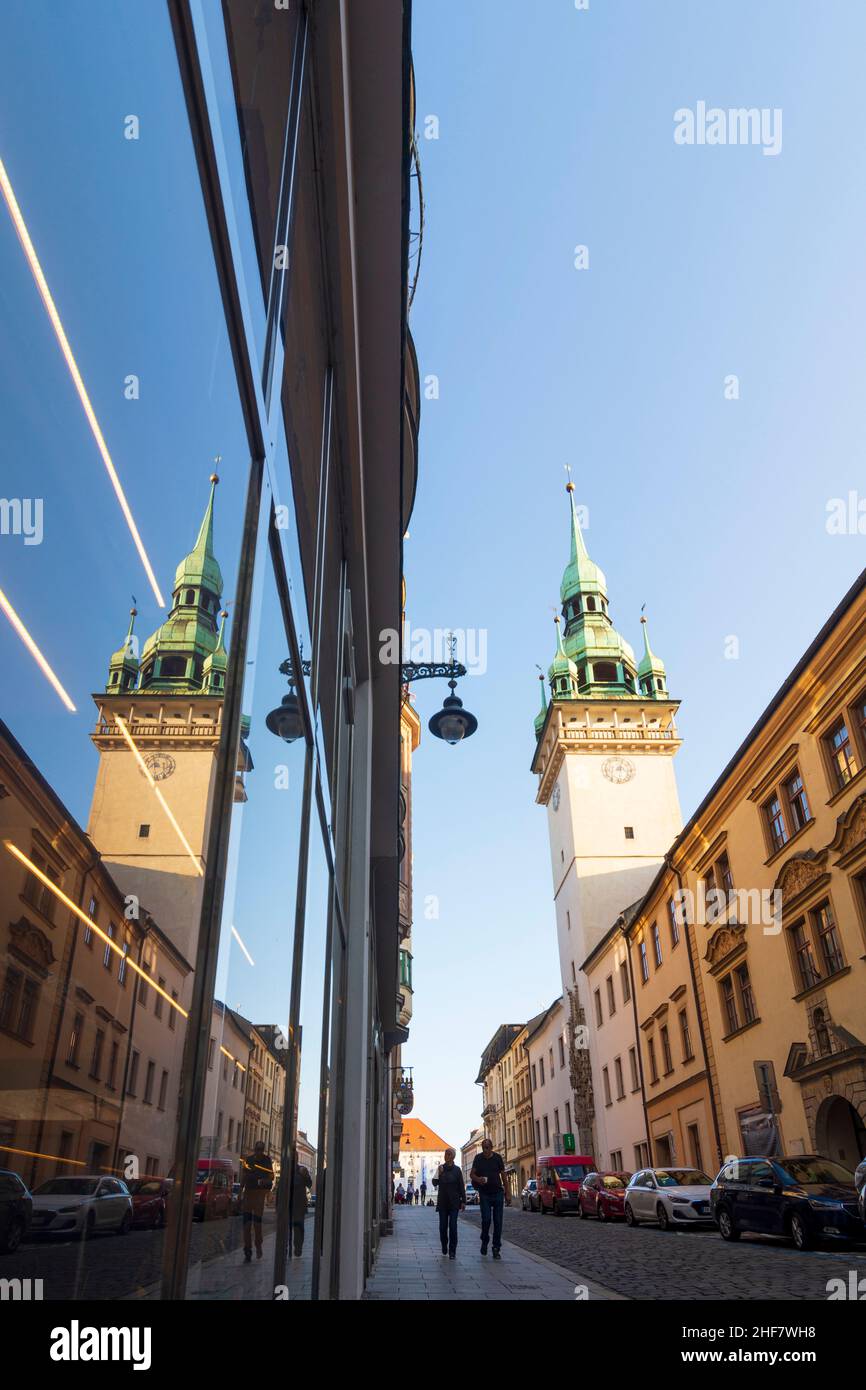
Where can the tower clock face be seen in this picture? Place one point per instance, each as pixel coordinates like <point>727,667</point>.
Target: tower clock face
<point>555,797</point>
<point>618,770</point>
<point>159,765</point>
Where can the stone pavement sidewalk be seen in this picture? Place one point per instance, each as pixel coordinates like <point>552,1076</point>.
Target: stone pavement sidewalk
<point>410,1265</point>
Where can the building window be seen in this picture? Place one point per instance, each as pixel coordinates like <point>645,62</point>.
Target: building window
<point>121,968</point>
<point>93,914</point>
<point>744,988</point>
<point>556,1128</point>
<point>107,953</point>
<point>641,1155</point>
<point>673,918</point>
<point>550,1057</point>
<point>667,1059</point>
<point>632,1062</point>
<point>644,963</point>
<point>148,1083</point>
<point>611,1001</point>
<point>562,1054</point>
<point>629,832</point>
<point>798,804</point>
<point>534,1078</point>
<point>724,877</point>
<point>729,1001</point>
<point>568,1117</point>
<point>74,1044</point>
<point>657,944</point>
<point>172,1013</point>
<point>804,959</point>
<point>625,982</point>
<point>157,999</point>
<point>18,1001</point>
<point>546,1133</point>
<point>96,1056</point>
<point>606,1082</point>
<point>775,823</point>
<point>598,1014</point>
<point>37,893</point>
<point>620,1082</point>
<point>685,1036</point>
<point>144,832</point>
<point>695,1152</point>
<point>616,1160</point>
<point>541,1071</point>
<point>143,986</point>
<point>538,1134</point>
<point>654,1075</point>
<point>828,938</point>
<point>843,763</point>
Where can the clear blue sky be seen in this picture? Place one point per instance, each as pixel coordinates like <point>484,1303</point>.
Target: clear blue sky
<point>556,129</point>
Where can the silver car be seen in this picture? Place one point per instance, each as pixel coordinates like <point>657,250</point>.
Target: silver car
<point>81,1206</point>
<point>669,1197</point>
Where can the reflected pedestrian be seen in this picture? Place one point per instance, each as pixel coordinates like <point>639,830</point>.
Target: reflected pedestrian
<point>423,1193</point>
<point>257,1179</point>
<point>450,1201</point>
<point>301,1184</point>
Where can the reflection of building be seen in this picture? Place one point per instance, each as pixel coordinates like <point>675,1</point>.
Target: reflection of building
<point>421,1152</point>
<point>410,737</point>
<point>229,1051</point>
<point>89,1054</point>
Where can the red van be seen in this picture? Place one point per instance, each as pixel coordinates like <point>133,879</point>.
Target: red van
<point>213,1188</point>
<point>559,1177</point>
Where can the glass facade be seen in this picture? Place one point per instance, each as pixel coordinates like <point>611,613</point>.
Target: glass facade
<point>199,864</point>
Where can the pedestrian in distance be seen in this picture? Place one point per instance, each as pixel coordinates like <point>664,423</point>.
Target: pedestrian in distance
<point>488,1177</point>
<point>450,1201</point>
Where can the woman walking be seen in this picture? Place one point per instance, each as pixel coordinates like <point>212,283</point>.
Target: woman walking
<point>450,1201</point>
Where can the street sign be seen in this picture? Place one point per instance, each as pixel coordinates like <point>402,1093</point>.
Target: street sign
<point>568,1143</point>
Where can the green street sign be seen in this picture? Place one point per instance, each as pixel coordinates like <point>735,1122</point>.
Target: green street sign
<point>568,1143</point>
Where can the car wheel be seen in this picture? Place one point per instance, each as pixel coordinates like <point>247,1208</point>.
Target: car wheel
<point>630,1218</point>
<point>125,1225</point>
<point>800,1233</point>
<point>727,1229</point>
<point>663,1218</point>
<point>12,1239</point>
<point>601,1212</point>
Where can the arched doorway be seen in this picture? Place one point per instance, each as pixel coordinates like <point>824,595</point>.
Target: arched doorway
<point>840,1132</point>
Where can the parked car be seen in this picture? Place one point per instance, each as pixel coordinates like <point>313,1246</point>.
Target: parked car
<point>16,1208</point>
<point>471,1195</point>
<point>529,1195</point>
<point>558,1181</point>
<point>149,1200</point>
<point>805,1198</point>
<point>81,1206</point>
<point>860,1175</point>
<point>670,1197</point>
<point>213,1189</point>
<point>603,1195</point>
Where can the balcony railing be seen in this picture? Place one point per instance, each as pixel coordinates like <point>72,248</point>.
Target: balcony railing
<point>634,734</point>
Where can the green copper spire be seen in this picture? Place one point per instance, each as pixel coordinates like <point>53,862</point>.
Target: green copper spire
<point>174,657</point>
<point>542,713</point>
<point>123,666</point>
<point>563,672</point>
<point>651,671</point>
<point>581,575</point>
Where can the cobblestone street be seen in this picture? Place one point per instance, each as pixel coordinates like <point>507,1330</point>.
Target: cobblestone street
<point>647,1263</point>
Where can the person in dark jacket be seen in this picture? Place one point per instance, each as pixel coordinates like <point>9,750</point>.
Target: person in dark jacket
<point>450,1201</point>
<point>301,1183</point>
<point>257,1179</point>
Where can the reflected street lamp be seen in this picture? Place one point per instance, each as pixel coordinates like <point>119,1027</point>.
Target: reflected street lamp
<point>287,721</point>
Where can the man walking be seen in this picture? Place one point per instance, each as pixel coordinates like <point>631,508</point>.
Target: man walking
<point>257,1179</point>
<point>451,1200</point>
<point>488,1176</point>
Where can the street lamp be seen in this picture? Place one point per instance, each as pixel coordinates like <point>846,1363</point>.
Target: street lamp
<point>287,721</point>
<point>452,722</point>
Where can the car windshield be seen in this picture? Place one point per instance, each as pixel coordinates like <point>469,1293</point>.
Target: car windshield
<point>681,1177</point>
<point>569,1172</point>
<point>816,1170</point>
<point>145,1187</point>
<point>66,1187</point>
<point>613,1181</point>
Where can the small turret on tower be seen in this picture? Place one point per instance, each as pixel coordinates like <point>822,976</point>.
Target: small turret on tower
<point>123,666</point>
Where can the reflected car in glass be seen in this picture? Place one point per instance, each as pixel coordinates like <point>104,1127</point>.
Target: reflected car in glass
<point>669,1197</point>
<point>16,1207</point>
<point>472,1199</point>
<point>212,1198</point>
<point>559,1179</point>
<point>603,1195</point>
<point>81,1206</point>
<point>805,1199</point>
<point>149,1200</point>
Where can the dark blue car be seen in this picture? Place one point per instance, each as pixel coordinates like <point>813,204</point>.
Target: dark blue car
<point>16,1207</point>
<point>804,1198</point>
